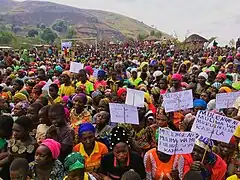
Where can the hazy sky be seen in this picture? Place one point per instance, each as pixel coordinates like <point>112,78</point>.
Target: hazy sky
<point>207,17</point>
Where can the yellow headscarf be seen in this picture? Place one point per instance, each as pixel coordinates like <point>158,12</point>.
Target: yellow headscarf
<point>143,64</point>
<point>20,96</point>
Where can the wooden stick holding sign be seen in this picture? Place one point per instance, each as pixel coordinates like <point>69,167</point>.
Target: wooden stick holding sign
<point>209,141</point>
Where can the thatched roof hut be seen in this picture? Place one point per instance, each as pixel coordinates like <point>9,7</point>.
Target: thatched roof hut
<point>195,38</point>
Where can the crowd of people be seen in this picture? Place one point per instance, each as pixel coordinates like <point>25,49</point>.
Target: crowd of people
<point>63,130</point>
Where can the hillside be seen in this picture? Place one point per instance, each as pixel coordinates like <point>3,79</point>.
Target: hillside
<point>87,23</point>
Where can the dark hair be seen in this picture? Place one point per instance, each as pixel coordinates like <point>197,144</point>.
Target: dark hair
<point>45,108</point>
<point>25,122</point>
<point>55,86</point>
<point>43,100</point>
<point>19,164</point>
<point>58,108</point>
<point>6,124</point>
<point>83,71</point>
<point>20,82</point>
<point>37,106</point>
<point>193,175</point>
<point>131,175</point>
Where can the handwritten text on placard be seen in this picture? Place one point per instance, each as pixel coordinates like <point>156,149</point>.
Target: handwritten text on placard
<point>221,127</point>
<point>173,142</point>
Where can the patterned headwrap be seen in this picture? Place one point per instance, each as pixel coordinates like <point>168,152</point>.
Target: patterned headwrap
<point>24,105</point>
<point>82,96</point>
<point>118,135</point>
<point>74,161</point>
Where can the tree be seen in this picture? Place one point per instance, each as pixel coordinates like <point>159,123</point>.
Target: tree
<point>48,35</point>
<point>6,37</point>
<point>60,26</point>
<point>71,33</point>
<point>158,34</point>
<point>32,33</point>
<point>152,33</point>
<point>141,37</point>
<point>232,43</point>
<point>42,26</point>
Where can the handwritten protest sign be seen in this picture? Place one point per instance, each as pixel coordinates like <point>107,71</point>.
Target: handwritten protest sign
<point>178,101</point>
<point>75,67</point>
<point>135,98</point>
<point>123,113</point>
<point>209,124</point>
<point>226,100</point>
<point>173,142</point>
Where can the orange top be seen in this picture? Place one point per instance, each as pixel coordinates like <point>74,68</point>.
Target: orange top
<point>92,162</point>
<point>156,169</point>
<point>78,119</point>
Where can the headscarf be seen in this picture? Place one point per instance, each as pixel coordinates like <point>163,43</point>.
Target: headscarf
<point>68,73</point>
<point>134,70</point>
<point>86,127</point>
<point>74,161</point>
<point>121,91</point>
<point>155,91</point>
<point>177,76</point>
<point>118,134</point>
<point>226,89</point>
<point>216,85</point>
<point>58,69</point>
<point>89,69</point>
<point>101,73</point>
<point>143,64</point>
<point>200,103</point>
<point>157,74</point>
<point>20,96</point>
<point>222,75</point>
<point>82,96</point>
<point>203,74</point>
<point>204,143</point>
<point>96,93</point>
<point>236,85</point>
<point>24,105</point>
<point>53,146</point>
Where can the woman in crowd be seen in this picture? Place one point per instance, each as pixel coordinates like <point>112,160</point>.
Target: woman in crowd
<point>75,167</point>
<point>91,150</point>
<point>211,165</point>
<point>121,159</point>
<point>79,114</point>
<point>103,130</point>
<point>159,165</point>
<point>46,164</point>
<point>53,97</point>
<point>44,124</point>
